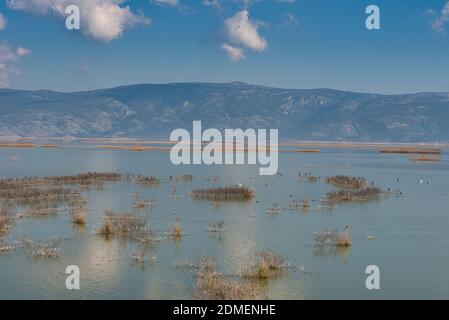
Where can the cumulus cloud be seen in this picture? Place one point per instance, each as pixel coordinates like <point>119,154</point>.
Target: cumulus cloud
<point>234,53</point>
<point>3,22</point>
<point>103,20</point>
<point>439,19</point>
<point>242,31</point>
<point>8,58</point>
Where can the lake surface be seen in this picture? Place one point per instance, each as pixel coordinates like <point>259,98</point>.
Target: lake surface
<point>411,245</point>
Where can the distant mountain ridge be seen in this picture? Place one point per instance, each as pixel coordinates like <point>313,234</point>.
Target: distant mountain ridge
<point>154,110</point>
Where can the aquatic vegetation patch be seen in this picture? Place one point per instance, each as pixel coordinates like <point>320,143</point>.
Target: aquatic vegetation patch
<point>127,226</point>
<point>346,182</point>
<point>222,194</point>
<point>78,216</point>
<point>266,264</point>
<point>177,231</point>
<point>40,249</point>
<point>6,219</point>
<point>182,178</point>
<point>412,150</point>
<point>148,181</point>
<point>360,195</point>
<point>333,238</point>
<point>212,285</point>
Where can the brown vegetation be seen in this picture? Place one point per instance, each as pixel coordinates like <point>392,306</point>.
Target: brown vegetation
<point>212,285</point>
<point>185,177</point>
<point>333,238</point>
<point>225,193</point>
<point>346,182</point>
<point>17,145</point>
<point>425,159</point>
<point>148,181</point>
<point>126,226</point>
<point>177,230</point>
<point>266,264</point>
<point>412,150</point>
<point>364,194</point>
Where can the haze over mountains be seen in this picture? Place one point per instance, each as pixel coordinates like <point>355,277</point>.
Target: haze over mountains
<point>152,111</point>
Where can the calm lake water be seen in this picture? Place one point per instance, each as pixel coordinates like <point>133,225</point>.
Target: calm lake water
<point>411,245</point>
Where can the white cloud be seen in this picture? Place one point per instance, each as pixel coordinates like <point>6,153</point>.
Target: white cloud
<point>234,53</point>
<point>8,58</point>
<point>3,22</point>
<point>173,3</point>
<point>23,52</point>
<point>242,31</point>
<point>211,3</point>
<point>103,20</point>
<point>440,19</point>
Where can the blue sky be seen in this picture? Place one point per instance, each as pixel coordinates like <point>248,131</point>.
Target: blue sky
<point>283,43</point>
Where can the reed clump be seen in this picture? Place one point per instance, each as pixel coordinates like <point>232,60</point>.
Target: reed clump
<point>182,178</point>
<point>126,226</point>
<point>148,181</point>
<point>412,150</point>
<point>333,238</point>
<point>40,210</point>
<point>177,231</point>
<point>266,264</point>
<point>78,216</point>
<point>222,194</point>
<point>6,219</point>
<point>361,195</point>
<point>40,249</point>
<point>88,178</point>
<point>29,191</point>
<point>346,182</point>
<point>212,285</point>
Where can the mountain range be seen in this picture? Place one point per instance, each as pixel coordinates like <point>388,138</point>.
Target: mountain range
<point>152,111</point>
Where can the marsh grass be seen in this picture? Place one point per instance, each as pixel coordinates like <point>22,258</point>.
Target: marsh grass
<point>40,249</point>
<point>177,231</point>
<point>412,150</point>
<point>182,178</point>
<point>148,181</point>
<point>6,219</point>
<point>266,264</point>
<point>127,226</point>
<point>141,258</point>
<point>78,216</point>
<point>360,195</point>
<point>223,194</point>
<point>346,182</point>
<point>333,238</point>
<point>212,285</point>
